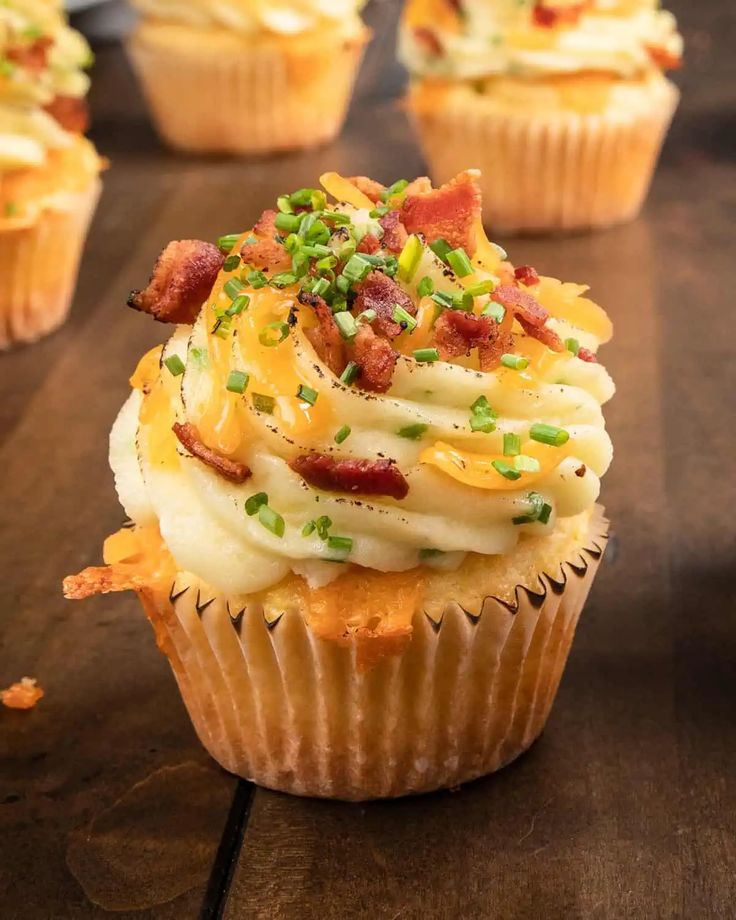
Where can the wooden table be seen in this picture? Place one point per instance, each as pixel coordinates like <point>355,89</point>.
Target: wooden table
<point>625,808</point>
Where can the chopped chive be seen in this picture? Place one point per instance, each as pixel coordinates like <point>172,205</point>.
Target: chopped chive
<point>343,434</point>
<point>403,318</point>
<point>515,362</point>
<point>356,268</point>
<point>317,232</point>
<point>526,464</point>
<point>459,262</point>
<point>425,287</point>
<point>463,302</point>
<point>482,422</point>
<point>233,287</point>
<point>263,403</point>
<point>339,304</point>
<point>341,544</point>
<point>221,329</point>
<point>343,284</point>
<point>316,250</point>
<point>410,257</point>
<point>336,217</point>
<point>482,406</point>
<point>412,432</point>
<point>440,248</point>
<point>237,381</point>
<point>257,279</point>
<point>302,197</point>
<point>271,520</point>
<point>495,310</point>
<point>350,374</point>
<point>308,529</point>
<point>380,211</point>
<point>256,501</point>
<point>346,324</point>
<point>443,300</point>
<point>267,337</point>
<point>284,205</point>
<point>199,357</point>
<point>480,288</point>
<point>572,345</point>
<point>507,471</point>
<point>226,243</point>
<point>426,355</point>
<point>537,504</point>
<point>307,394</point>
<point>288,222</point>
<point>175,365</point>
<point>430,553</point>
<point>320,286</point>
<point>549,434</point>
<point>545,513</point>
<point>396,189</point>
<point>346,250</point>
<point>283,279</point>
<point>367,316</point>
<point>511,445</point>
<point>391,266</point>
<point>231,263</point>
<point>240,303</point>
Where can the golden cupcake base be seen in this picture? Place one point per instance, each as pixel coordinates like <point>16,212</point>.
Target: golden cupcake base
<point>274,704</point>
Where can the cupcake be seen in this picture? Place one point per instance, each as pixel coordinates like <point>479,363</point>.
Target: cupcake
<point>361,478</point>
<point>49,172</point>
<point>564,105</point>
<point>248,76</point>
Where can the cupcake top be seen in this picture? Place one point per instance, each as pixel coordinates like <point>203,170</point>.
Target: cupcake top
<point>360,380</point>
<point>471,39</point>
<point>42,82</point>
<point>279,17</point>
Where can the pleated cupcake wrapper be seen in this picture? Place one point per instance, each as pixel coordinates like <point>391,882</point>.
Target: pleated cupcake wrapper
<point>39,265</point>
<point>542,172</point>
<point>262,100</point>
<point>273,703</point>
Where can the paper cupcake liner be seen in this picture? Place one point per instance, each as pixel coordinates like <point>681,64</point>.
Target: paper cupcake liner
<point>39,265</point>
<point>562,171</point>
<point>276,705</point>
<point>264,99</point>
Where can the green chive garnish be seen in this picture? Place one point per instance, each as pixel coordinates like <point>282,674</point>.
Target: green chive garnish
<point>346,324</point>
<point>511,445</point>
<point>396,189</point>
<point>175,365</point>
<point>426,355</point>
<point>515,362</point>
<point>484,423</point>
<point>238,305</point>
<point>273,334</point>
<point>425,287</point>
<point>367,316</point>
<point>263,403</point>
<point>527,464</point>
<point>572,345</point>
<point>495,311</point>
<point>459,262</point>
<point>231,263</point>
<point>508,472</point>
<point>237,381</point>
<point>255,502</point>
<point>545,513</point>
<point>307,394</point>
<point>308,529</point>
<point>283,279</point>
<point>403,318</point>
<point>284,205</point>
<point>410,257</point>
<point>256,279</point>
<point>226,243</point>
<point>537,504</point>
<point>271,520</point>
<point>441,248</point>
<point>356,269</point>
<point>412,432</point>
<point>342,545</point>
<point>549,434</point>
<point>233,287</point>
<point>480,288</point>
<point>288,222</point>
<point>350,374</point>
<point>430,553</point>
<point>343,434</point>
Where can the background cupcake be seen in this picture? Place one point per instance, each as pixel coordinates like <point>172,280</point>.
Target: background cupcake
<point>248,76</point>
<point>563,105</point>
<point>49,173</point>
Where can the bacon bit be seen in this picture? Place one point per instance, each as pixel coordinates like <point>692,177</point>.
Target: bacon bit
<point>526,275</point>
<point>663,58</point>
<point>457,332</point>
<point>581,471</point>
<point>380,293</point>
<point>266,253</point>
<point>548,15</point>
<point>363,477</point>
<point>585,354</point>
<point>429,39</point>
<point>369,244</point>
<point>369,187</point>
<point>521,303</point>
<point>23,695</point>
<point>394,232</point>
<point>450,212</point>
<point>103,579</point>
<point>181,281</point>
<point>71,113</point>
<point>33,57</point>
<point>229,469</point>
<point>376,359</point>
<point>325,338</point>
<point>542,334</point>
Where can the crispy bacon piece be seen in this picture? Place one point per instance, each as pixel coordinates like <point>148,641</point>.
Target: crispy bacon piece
<point>380,293</point>
<point>450,212</point>
<point>429,39</point>
<point>457,332</point>
<point>228,469</point>
<point>369,187</point>
<point>266,253</point>
<point>548,15</point>
<point>664,58</point>
<point>394,232</point>
<point>521,303</point>
<point>361,477</point>
<point>585,354</point>
<point>376,359</point>
<point>103,579</point>
<point>181,281</point>
<point>70,112</point>
<point>526,275</point>
<point>326,338</point>
<point>369,244</point>
<point>33,57</point>
<point>543,334</point>
<point>22,695</point>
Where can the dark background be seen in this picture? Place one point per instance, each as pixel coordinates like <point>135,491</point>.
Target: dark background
<point>624,809</point>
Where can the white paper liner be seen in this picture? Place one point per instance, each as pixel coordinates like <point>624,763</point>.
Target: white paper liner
<point>276,705</point>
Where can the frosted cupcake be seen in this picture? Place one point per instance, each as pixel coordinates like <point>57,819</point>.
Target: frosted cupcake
<point>49,172</point>
<point>361,477</point>
<point>564,105</point>
<point>248,76</point>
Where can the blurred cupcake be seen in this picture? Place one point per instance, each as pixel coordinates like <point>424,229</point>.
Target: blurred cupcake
<point>563,104</point>
<point>362,477</point>
<point>49,172</point>
<point>248,76</point>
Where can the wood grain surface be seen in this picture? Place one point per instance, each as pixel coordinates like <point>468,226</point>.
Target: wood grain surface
<point>626,808</point>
